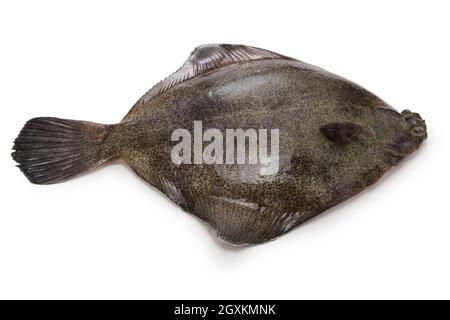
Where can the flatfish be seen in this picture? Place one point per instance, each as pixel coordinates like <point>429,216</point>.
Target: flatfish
<point>252,142</point>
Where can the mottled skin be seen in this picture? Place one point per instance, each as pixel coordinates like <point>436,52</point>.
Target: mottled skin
<point>315,173</point>
<point>336,138</point>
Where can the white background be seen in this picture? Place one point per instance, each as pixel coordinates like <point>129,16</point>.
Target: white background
<point>109,235</point>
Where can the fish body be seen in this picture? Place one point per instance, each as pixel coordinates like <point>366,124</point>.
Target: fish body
<point>334,138</point>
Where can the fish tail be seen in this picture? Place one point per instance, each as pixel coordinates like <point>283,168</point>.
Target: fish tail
<point>52,150</point>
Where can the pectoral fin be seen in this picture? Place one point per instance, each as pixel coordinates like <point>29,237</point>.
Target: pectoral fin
<point>340,133</point>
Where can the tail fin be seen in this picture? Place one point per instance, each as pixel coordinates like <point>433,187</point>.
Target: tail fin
<point>51,150</point>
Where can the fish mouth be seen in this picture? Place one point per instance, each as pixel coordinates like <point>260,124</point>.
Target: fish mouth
<point>393,152</point>
<point>416,123</point>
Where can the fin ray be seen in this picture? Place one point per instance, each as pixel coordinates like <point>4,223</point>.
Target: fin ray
<point>51,150</point>
<point>210,57</point>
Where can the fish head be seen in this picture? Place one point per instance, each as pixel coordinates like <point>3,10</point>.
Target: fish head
<point>399,134</point>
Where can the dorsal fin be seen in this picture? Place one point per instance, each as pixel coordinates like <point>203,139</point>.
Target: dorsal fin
<point>209,57</point>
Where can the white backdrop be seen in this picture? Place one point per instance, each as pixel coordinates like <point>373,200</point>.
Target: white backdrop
<point>109,235</point>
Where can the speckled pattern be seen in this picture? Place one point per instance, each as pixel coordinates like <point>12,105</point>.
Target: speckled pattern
<point>336,138</point>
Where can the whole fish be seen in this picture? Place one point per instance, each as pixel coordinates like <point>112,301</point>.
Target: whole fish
<point>252,142</point>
